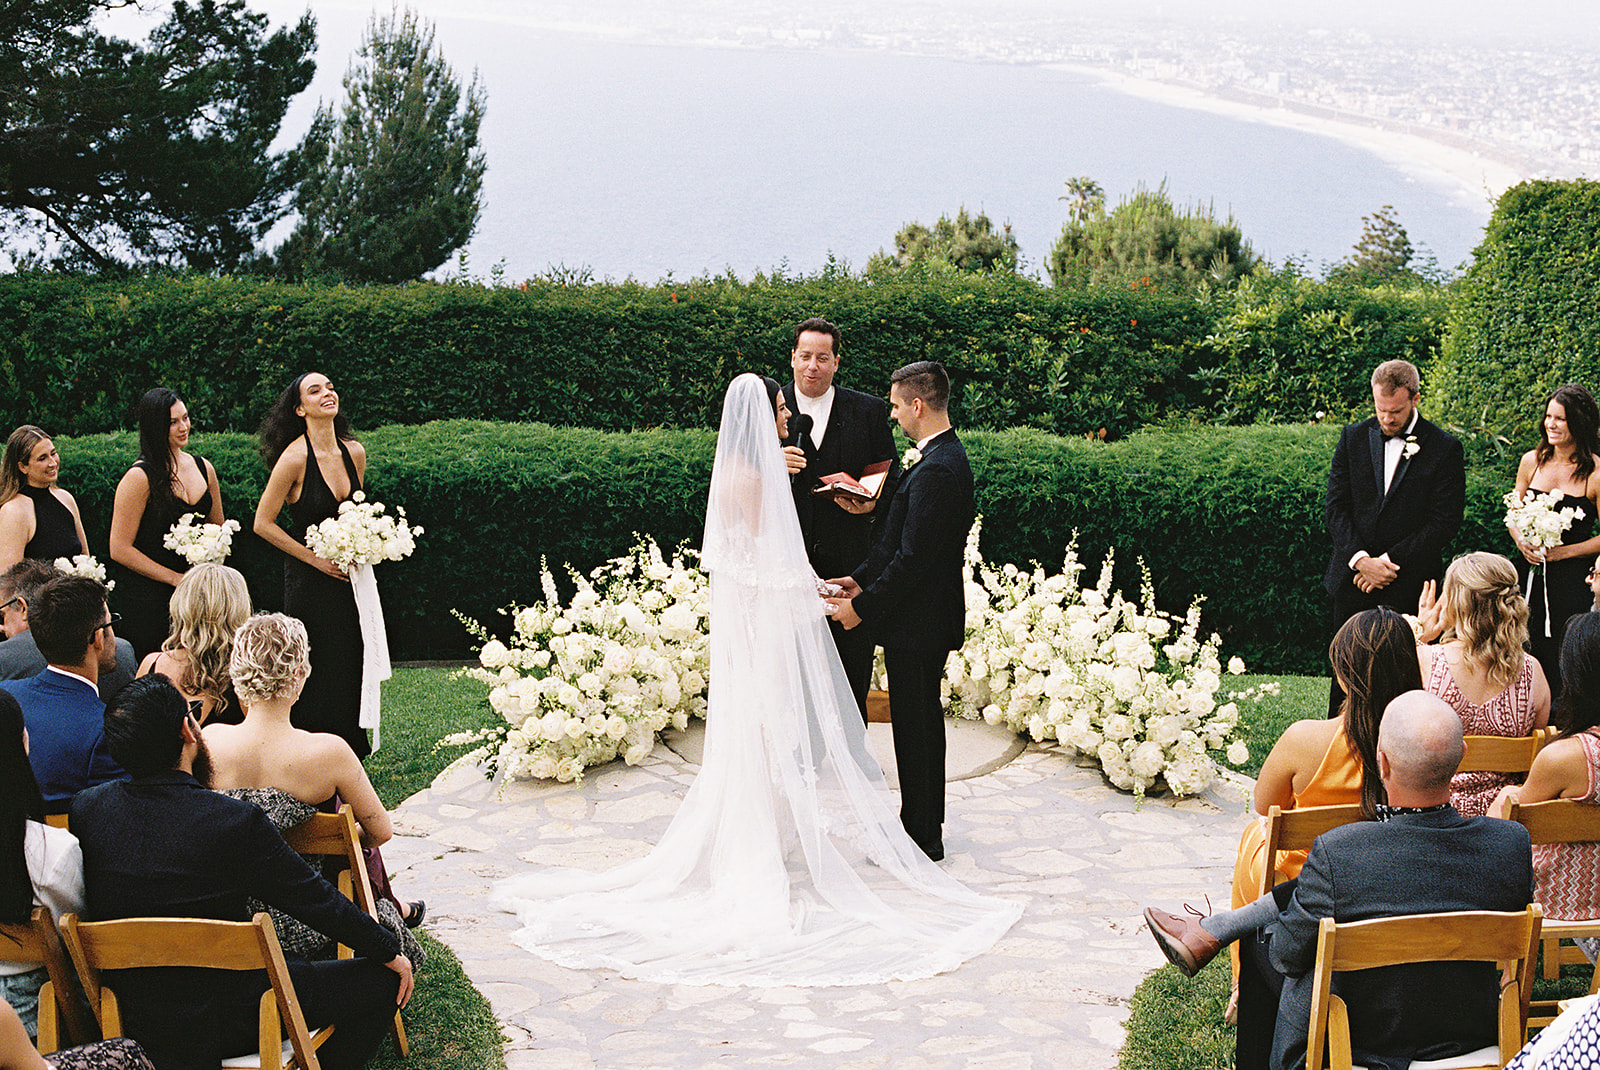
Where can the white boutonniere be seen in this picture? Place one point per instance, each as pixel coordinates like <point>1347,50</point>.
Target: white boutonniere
<point>910,457</point>
<point>1410,449</point>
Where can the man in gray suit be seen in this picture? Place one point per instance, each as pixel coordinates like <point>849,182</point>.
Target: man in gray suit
<point>20,658</point>
<point>1419,857</point>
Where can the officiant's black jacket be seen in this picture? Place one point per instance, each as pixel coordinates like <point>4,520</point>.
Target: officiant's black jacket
<point>1412,523</point>
<point>858,435</point>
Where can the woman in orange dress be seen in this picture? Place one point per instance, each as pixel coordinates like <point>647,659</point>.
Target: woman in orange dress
<point>1333,761</point>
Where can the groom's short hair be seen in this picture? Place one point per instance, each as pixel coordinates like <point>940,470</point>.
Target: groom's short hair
<point>821,326</point>
<point>1394,375</point>
<point>926,379</point>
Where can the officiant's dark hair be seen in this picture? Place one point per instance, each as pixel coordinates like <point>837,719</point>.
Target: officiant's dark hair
<point>1583,424</point>
<point>1374,658</point>
<point>282,425</point>
<point>926,379</point>
<point>821,326</point>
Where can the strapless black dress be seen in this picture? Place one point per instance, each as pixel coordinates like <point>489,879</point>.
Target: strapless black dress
<point>1568,588</point>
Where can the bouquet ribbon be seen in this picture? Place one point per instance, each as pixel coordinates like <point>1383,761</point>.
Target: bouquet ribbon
<point>1528,594</point>
<point>374,648</point>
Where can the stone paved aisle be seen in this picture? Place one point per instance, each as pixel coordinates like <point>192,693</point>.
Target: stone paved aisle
<point>1051,994</point>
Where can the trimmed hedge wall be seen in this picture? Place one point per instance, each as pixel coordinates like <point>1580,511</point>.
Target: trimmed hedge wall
<point>75,354</point>
<point>1235,514</point>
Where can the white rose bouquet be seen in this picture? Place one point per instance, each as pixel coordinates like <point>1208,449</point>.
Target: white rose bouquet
<point>199,543</point>
<point>362,534</point>
<point>85,565</point>
<point>1536,520</point>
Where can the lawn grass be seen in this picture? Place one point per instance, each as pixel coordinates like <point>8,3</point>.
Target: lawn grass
<point>1263,721</point>
<point>449,1024</point>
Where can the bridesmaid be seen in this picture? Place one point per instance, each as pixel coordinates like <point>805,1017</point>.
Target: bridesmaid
<point>1563,461</point>
<point>37,518</point>
<point>316,464</point>
<point>164,483</point>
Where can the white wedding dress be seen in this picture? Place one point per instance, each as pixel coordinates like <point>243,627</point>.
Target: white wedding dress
<point>786,864</point>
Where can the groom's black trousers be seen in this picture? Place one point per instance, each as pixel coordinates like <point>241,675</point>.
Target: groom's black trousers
<point>918,722</point>
<point>856,648</point>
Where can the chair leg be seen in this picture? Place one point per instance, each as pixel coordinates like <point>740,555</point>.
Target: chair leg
<point>398,1031</point>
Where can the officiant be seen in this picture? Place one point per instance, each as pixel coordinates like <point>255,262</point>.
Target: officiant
<point>840,430</point>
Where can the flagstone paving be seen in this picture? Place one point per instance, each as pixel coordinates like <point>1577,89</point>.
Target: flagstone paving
<point>1023,822</point>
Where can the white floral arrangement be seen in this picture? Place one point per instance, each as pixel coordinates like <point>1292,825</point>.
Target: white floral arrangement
<point>1536,518</point>
<point>199,543</point>
<point>362,534</point>
<point>1130,686</point>
<point>86,566</point>
<point>579,684</point>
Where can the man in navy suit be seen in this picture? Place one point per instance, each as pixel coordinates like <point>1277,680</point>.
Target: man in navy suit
<point>61,706</point>
<point>20,657</point>
<point>1396,492</point>
<point>849,432</point>
<point>909,591</point>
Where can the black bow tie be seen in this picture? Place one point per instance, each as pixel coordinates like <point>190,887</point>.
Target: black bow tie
<point>1401,435</point>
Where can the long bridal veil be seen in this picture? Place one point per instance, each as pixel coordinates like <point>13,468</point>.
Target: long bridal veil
<point>786,863</point>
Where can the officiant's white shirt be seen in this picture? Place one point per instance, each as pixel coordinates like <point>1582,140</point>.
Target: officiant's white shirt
<point>819,409</point>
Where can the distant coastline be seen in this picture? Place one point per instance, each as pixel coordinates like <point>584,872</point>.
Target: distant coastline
<point>1478,174</point>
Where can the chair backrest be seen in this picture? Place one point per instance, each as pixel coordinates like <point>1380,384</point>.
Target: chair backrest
<point>1295,830</point>
<point>1503,754</point>
<point>1509,938</point>
<point>218,945</point>
<point>37,940</point>
<point>337,834</point>
<point>1558,820</point>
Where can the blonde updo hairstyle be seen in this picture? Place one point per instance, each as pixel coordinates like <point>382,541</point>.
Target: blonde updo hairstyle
<point>270,657</point>
<point>207,607</point>
<point>1485,610</point>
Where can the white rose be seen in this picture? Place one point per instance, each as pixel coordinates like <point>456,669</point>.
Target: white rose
<point>1147,760</point>
<point>493,655</point>
<point>1235,666</point>
<point>1238,753</point>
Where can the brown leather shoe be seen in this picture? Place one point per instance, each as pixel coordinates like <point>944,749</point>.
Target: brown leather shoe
<point>1186,945</point>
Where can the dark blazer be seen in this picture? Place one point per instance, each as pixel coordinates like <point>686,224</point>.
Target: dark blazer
<point>858,435</point>
<point>20,658</point>
<point>1411,523</point>
<point>911,582</point>
<point>163,846</point>
<point>66,736</point>
<point>1411,864</point>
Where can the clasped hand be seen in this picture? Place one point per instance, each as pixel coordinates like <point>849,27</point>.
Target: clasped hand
<point>1375,573</point>
<point>843,610</point>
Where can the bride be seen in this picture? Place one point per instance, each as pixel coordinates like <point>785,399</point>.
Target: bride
<point>786,863</point>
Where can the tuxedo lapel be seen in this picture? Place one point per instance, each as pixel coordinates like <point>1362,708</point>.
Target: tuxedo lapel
<point>1375,444</point>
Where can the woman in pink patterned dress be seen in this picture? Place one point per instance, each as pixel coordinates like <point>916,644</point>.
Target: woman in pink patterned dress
<point>1480,668</point>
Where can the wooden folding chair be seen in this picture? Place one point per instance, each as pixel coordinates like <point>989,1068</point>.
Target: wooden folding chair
<point>337,834</point>
<point>59,1010</point>
<point>218,945</point>
<point>1295,830</point>
<point>1509,939</point>
<point>1503,754</point>
<point>58,821</point>
<point>1560,821</point>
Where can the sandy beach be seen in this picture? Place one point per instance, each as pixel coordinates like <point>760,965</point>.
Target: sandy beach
<point>1479,175</point>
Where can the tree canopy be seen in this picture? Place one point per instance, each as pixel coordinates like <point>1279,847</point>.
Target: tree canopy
<point>1146,240</point>
<point>392,184</point>
<point>155,152</point>
<point>1382,254</point>
<point>965,243</point>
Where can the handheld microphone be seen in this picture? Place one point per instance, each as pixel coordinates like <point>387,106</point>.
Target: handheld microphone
<point>799,426</point>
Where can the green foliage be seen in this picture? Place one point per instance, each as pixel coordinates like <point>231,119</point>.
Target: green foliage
<point>391,187</point>
<point>450,1025</point>
<point>1524,322</point>
<point>1175,1023</point>
<point>1086,198</point>
<point>1382,254</point>
<point>965,243</point>
<point>1147,241</point>
<point>160,149</point>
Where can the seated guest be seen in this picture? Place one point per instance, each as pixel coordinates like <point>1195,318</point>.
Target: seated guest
<point>162,845</point>
<point>1568,874</point>
<point>19,652</point>
<point>291,773</point>
<point>62,704</point>
<point>1419,857</point>
<point>207,607</point>
<point>18,1053</point>
<point>1480,669</point>
<point>39,865</point>
<point>1330,762</point>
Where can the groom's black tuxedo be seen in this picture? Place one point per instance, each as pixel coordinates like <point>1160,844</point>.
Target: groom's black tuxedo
<point>913,602</point>
<point>1411,523</point>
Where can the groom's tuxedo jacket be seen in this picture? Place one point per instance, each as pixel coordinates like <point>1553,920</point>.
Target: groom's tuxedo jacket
<point>1411,523</point>
<point>858,435</point>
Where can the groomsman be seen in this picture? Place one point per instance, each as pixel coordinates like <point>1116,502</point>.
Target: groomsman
<point>848,432</point>
<point>909,591</point>
<point>1396,492</point>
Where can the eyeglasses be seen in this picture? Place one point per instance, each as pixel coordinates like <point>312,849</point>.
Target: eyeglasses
<point>116,618</point>
<point>7,605</point>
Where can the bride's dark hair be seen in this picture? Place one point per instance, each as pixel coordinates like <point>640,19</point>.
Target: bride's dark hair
<point>1583,424</point>
<point>773,390</point>
<point>20,802</point>
<point>282,425</point>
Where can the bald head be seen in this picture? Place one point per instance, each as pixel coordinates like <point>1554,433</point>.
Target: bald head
<point>1419,745</point>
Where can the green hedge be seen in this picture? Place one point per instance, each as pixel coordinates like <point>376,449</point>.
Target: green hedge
<point>75,354</point>
<point>1234,514</point>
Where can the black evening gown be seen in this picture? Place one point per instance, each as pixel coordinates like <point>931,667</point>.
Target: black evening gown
<point>54,533</point>
<point>142,601</point>
<point>331,701</point>
<point>1569,592</point>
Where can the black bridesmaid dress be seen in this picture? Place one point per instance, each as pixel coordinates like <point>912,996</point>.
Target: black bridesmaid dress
<point>54,532</point>
<point>331,701</point>
<point>142,601</point>
<point>1568,585</point>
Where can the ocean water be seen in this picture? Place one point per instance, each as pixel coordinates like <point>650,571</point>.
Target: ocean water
<point>645,161</point>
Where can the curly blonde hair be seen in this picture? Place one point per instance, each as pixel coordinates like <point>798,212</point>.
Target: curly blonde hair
<point>1484,609</point>
<point>207,607</point>
<point>270,655</point>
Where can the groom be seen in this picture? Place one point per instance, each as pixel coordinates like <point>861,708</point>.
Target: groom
<point>909,591</point>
